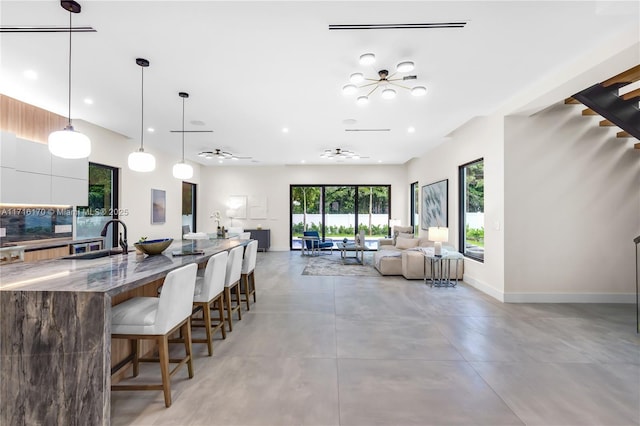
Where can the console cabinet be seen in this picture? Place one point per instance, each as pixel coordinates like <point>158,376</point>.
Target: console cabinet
<point>263,236</point>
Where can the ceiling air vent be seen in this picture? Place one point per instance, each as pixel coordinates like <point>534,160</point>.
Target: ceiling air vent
<point>426,25</point>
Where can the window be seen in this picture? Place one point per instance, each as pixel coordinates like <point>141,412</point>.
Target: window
<point>189,206</point>
<point>415,202</point>
<point>472,209</point>
<point>336,211</point>
<point>103,204</point>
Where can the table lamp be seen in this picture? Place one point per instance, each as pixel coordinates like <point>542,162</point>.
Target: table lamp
<point>438,234</point>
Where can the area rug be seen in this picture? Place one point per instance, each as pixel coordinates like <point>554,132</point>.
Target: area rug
<point>332,265</point>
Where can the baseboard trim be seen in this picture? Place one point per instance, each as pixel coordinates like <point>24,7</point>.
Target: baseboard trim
<point>570,298</point>
<point>496,294</point>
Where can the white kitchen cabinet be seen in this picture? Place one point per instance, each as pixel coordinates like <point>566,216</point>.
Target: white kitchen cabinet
<point>32,157</point>
<point>69,191</point>
<point>33,188</point>
<point>8,186</point>
<point>76,169</point>
<point>7,150</point>
<point>31,175</point>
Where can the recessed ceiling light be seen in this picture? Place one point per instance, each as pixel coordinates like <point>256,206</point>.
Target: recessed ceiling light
<point>197,122</point>
<point>88,101</point>
<point>379,161</point>
<point>349,121</point>
<point>302,161</point>
<point>150,129</point>
<point>285,130</point>
<point>30,74</point>
<point>220,161</point>
<point>411,129</point>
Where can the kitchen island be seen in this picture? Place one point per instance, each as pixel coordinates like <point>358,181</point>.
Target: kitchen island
<point>55,331</point>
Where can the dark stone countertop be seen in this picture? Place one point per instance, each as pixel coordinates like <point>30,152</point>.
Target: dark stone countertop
<point>51,244</point>
<point>113,274</point>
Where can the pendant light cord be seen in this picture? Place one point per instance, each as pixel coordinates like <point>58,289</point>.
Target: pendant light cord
<point>69,116</point>
<point>183,130</point>
<point>142,114</point>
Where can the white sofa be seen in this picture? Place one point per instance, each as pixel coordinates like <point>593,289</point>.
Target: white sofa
<point>403,257</point>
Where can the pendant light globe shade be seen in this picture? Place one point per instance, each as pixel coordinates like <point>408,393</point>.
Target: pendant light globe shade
<point>182,171</point>
<point>388,94</point>
<point>69,144</point>
<point>405,66</point>
<point>141,161</point>
<point>367,59</point>
<point>362,100</point>
<point>419,91</point>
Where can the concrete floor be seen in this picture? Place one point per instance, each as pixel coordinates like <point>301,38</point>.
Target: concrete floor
<point>387,351</point>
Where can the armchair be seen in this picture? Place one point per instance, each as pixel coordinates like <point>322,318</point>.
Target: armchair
<point>312,243</point>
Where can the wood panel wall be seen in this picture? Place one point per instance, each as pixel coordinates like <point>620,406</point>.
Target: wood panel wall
<point>27,121</point>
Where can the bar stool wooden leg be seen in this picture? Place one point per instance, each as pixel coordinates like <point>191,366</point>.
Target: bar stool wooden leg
<point>135,351</point>
<point>227,299</point>
<point>206,313</point>
<point>220,302</point>
<point>187,345</point>
<point>163,351</point>
<point>238,301</point>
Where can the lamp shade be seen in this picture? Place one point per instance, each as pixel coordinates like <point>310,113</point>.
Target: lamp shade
<point>69,144</point>
<point>182,171</point>
<point>438,234</point>
<point>141,161</point>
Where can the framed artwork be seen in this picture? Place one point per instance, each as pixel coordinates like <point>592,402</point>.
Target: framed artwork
<point>158,206</point>
<point>434,204</point>
<point>237,207</point>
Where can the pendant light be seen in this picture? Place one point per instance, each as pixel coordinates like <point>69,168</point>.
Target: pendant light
<point>182,170</point>
<point>68,143</point>
<point>140,161</point>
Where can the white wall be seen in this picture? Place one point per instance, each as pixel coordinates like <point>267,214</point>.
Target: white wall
<point>273,182</point>
<point>112,149</point>
<point>572,208</point>
<point>481,137</point>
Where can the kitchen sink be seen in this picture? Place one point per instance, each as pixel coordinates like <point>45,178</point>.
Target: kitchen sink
<point>94,254</point>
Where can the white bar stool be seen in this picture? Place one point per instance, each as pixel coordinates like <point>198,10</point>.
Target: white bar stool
<point>210,289</point>
<point>232,281</point>
<point>248,278</point>
<point>157,318</point>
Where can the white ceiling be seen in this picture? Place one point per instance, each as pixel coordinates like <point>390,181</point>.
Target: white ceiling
<point>252,68</point>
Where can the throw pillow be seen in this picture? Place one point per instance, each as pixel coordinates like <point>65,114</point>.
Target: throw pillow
<point>406,243</point>
<point>405,235</point>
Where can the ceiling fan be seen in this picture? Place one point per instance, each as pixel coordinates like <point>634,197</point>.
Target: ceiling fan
<point>220,155</point>
<point>68,5</point>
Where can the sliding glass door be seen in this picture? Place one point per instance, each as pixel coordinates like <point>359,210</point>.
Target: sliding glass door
<point>337,211</point>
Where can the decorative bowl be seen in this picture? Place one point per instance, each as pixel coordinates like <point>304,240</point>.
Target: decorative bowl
<point>152,247</point>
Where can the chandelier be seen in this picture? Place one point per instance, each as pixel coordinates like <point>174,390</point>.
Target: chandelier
<point>340,154</point>
<point>386,82</point>
<point>220,155</point>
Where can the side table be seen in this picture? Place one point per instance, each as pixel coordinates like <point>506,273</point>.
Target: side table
<point>440,269</point>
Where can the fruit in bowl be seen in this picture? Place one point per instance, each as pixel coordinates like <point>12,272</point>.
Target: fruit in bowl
<point>152,247</point>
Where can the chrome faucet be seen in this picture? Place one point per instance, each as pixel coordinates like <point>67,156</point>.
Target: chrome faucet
<point>123,243</point>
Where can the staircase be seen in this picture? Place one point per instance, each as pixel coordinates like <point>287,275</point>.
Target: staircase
<point>616,107</point>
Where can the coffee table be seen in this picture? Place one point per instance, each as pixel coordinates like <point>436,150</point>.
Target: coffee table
<point>352,247</point>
